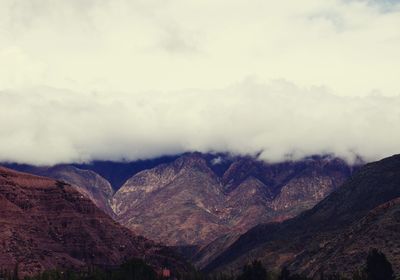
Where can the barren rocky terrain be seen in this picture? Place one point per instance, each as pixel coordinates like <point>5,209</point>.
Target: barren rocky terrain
<point>201,203</point>
<point>47,224</point>
<point>186,203</point>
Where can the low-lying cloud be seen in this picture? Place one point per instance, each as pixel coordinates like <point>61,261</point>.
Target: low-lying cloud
<point>118,79</point>
<point>46,125</point>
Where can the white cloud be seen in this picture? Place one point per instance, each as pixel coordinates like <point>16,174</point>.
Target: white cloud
<point>46,125</point>
<point>110,79</point>
<point>217,160</point>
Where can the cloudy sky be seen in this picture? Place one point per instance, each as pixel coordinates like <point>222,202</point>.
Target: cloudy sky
<point>118,79</point>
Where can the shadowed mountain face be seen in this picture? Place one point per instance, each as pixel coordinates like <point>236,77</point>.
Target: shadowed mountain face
<point>47,224</point>
<point>380,228</point>
<point>336,234</point>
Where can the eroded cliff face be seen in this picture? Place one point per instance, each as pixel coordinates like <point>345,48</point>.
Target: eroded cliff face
<point>187,203</point>
<point>47,224</point>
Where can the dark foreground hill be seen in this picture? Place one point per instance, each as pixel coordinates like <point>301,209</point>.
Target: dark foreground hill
<point>336,234</point>
<point>47,224</point>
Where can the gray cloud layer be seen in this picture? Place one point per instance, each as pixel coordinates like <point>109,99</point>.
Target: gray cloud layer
<point>46,125</point>
<point>102,79</point>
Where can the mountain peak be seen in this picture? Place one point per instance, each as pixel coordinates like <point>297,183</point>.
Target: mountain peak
<point>193,160</point>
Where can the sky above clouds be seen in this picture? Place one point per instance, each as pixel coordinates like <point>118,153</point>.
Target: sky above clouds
<point>101,79</point>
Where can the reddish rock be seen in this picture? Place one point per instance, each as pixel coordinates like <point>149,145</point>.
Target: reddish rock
<point>89,183</point>
<point>46,224</point>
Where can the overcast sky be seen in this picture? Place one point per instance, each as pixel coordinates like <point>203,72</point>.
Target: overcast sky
<point>114,79</point>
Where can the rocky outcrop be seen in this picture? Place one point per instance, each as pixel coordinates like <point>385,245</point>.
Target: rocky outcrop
<point>46,224</point>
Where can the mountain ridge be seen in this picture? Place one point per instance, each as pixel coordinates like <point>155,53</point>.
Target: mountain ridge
<point>279,244</point>
<point>206,201</point>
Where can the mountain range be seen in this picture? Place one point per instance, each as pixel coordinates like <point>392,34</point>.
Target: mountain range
<point>315,216</point>
<point>201,203</point>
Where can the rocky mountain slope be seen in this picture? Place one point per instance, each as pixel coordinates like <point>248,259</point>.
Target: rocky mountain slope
<point>89,183</point>
<point>201,203</point>
<point>380,228</point>
<point>177,203</point>
<point>336,234</point>
<point>47,224</point>
<point>193,202</point>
